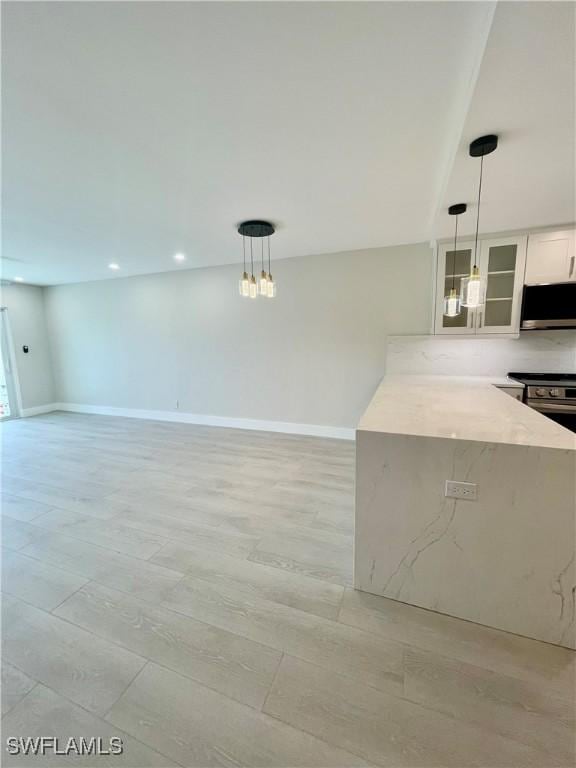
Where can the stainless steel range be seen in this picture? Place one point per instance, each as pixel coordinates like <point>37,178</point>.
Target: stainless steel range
<point>553,394</point>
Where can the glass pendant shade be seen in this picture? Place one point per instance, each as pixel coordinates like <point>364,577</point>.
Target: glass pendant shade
<point>452,304</point>
<point>263,284</point>
<point>253,293</point>
<point>270,287</point>
<point>472,290</point>
<point>244,285</point>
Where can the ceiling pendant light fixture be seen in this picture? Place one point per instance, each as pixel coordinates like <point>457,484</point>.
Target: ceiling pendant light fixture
<point>452,299</point>
<point>263,281</point>
<point>253,286</point>
<point>248,285</point>
<point>270,284</point>
<point>473,288</point>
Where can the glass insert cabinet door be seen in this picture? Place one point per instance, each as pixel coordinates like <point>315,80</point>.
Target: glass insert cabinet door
<point>502,264</point>
<point>500,284</point>
<point>452,267</point>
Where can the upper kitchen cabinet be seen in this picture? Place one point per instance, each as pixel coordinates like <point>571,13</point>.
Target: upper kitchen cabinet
<point>452,267</point>
<point>502,262</point>
<point>551,257</point>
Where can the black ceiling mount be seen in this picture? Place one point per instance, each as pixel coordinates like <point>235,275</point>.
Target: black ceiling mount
<point>256,228</point>
<point>483,145</point>
<point>457,209</point>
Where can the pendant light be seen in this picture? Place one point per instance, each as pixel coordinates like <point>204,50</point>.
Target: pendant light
<point>244,282</point>
<point>249,286</point>
<point>253,287</point>
<point>452,299</point>
<point>270,284</point>
<point>473,288</point>
<point>263,281</point>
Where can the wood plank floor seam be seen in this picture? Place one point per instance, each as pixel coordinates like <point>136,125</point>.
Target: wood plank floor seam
<point>79,706</point>
<point>209,572</point>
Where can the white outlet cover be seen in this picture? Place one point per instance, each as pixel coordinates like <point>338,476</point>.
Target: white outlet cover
<point>456,489</point>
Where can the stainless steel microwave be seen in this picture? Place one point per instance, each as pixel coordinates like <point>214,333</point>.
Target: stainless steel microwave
<point>549,305</point>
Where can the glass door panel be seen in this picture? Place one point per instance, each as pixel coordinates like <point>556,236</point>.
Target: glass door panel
<point>457,265</point>
<point>8,404</point>
<point>5,410</point>
<point>502,258</point>
<point>498,312</point>
<point>502,263</point>
<point>500,285</point>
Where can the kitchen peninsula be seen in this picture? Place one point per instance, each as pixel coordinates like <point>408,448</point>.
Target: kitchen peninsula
<point>506,559</point>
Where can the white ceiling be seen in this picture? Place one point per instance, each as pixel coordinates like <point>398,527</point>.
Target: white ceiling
<point>525,93</point>
<point>136,130</point>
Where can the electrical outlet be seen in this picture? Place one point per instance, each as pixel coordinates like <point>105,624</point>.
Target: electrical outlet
<point>457,490</point>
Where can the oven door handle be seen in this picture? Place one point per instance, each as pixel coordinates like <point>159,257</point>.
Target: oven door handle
<point>552,407</point>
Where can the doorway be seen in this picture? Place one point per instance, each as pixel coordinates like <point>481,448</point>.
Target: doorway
<point>8,399</point>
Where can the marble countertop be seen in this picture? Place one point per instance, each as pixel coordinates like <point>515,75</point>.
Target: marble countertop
<point>460,408</point>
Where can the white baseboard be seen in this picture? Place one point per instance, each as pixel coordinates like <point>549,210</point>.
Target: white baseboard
<point>287,427</point>
<point>38,409</point>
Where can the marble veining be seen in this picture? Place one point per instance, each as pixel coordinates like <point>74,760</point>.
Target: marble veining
<point>456,355</point>
<point>506,561</point>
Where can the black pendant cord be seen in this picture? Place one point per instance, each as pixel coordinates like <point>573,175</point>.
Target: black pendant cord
<point>478,211</point>
<point>454,262</point>
<point>244,252</point>
<point>269,271</point>
<point>262,252</point>
<point>251,259</point>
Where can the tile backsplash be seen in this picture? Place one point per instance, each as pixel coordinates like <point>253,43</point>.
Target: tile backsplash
<point>538,351</point>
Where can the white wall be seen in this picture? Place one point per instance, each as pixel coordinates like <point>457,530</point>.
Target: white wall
<point>27,323</point>
<point>538,351</point>
<point>313,355</point>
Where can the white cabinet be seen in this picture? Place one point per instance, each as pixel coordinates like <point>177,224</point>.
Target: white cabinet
<point>452,267</point>
<point>502,262</point>
<point>551,257</point>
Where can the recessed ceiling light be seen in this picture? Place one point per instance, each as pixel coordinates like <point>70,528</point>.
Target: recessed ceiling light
<point>113,265</point>
<point>19,279</point>
<point>179,257</point>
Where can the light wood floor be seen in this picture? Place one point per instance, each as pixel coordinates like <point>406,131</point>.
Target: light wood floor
<point>188,589</point>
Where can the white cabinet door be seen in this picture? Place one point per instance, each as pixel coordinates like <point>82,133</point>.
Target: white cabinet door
<point>551,257</point>
<point>502,264</point>
<point>452,267</point>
